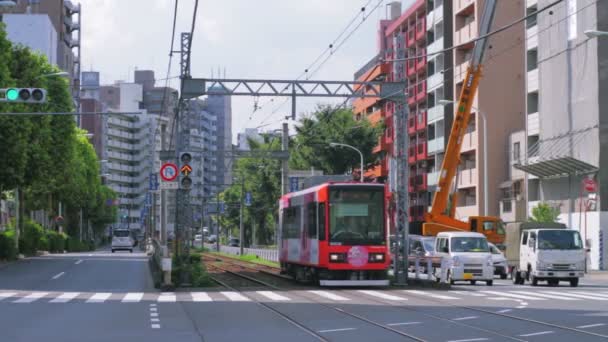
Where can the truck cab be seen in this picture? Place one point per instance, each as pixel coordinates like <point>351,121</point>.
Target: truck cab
<point>468,256</point>
<point>549,254</point>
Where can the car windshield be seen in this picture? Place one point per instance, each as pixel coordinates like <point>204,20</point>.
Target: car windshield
<point>469,244</point>
<point>494,250</point>
<point>429,244</point>
<point>121,233</point>
<point>559,239</point>
<point>356,216</point>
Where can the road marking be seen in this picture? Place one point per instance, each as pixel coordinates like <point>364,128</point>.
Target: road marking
<point>505,310</point>
<point>78,262</point>
<point>381,295</point>
<point>404,323</point>
<point>153,309</point>
<point>540,294</point>
<point>329,295</point>
<point>154,320</point>
<point>432,295</point>
<point>501,298</point>
<point>167,297</point>
<point>153,314</point>
<point>200,297</point>
<point>569,294</point>
<point>464,318</point>
<point>235,297</point>
<point>153,304</point>
<point>272,295</point>
<point>58,275</point>
<point>591,294</point>
<point>32,297</point>
<point>99,297</point>
<point>7,295</point>
<point>133,297</point>
<point>65,297</point>
<point>513,295</point>
<point>335,330</point>
<point>591,325</point>
<point>470,293</point>
<point>155,326</point>
<point>538,333</point>
<point>470,340</point>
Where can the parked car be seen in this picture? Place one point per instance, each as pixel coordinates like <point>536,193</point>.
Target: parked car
<point>212,239</point>
<point>198,241</point>
<point>469,256</point>
<point>234,242</point>
<point>122,240</point>
<point>499,260</point>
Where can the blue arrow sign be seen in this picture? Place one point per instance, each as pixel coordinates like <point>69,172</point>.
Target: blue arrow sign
<point>153,181</point>
<point>248,199</point>
<point>148,199</point>
<point>294,184</point>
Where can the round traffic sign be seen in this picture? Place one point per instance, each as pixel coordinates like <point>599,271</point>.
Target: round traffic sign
<point>589,185</point>
<point>168,172</point>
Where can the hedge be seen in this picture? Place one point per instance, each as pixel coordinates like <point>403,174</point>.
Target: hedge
<point>7,245</point>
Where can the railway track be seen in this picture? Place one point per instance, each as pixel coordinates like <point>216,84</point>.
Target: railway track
<point>255,272</point>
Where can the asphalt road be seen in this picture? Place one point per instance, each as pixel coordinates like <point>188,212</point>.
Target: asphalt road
<point>109,297</point>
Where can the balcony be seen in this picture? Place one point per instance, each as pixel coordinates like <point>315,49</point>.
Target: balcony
<point>384,167</point>
<point>411,185</point>
<point>469,142</point>
<point>411,155</point>
<point>533,80</point>
<point>533,124</point>
<point>460,71</point>
<point>435,16</point>
<point>434,81</point>
<point>416,213</point>
<point>432,178</point>
<point>411,37</point>
<point>411,67</point>
<point>421,121</point>
<point>436,145</point>
<point>466,33</point>
<point>411,96</point>
<point>435,46</point>
<point>421,182</point>
<point>421,28</point>
<point>375,116</point>
<point>411,124</point>
<point>460,5</point>
<point>512,210</point>
<point>421,93</point>
<point>421,60</point>
<point>421,151</point>
<point>532,37</point>
<point>434,113</point>
<point>467,178</point>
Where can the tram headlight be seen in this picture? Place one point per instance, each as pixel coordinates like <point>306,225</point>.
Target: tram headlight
<point>376,257</point>
<point>337,257</point>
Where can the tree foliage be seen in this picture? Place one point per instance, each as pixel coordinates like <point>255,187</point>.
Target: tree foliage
<point>328,124</point>
<point>543,212</point>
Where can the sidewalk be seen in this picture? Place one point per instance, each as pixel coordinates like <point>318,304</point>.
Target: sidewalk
<point>597,275</point>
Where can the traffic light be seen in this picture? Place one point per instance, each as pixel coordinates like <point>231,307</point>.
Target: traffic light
<point>185,170</point>
<point>23,95</point>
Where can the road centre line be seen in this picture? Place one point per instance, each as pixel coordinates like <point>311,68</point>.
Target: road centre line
<point>58,275</point>
<point>464,318</point>
<point>78,262</point>
<point>404,323</point>
<point>591,326</point>
<point>470,340</point>
<point>336,330</point>
<point>537,333</point>
<point>505,310</point>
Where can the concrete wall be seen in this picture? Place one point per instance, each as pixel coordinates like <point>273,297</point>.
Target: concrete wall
<point>35,31</point>
<point>602,52</point>
<point>593,226</point>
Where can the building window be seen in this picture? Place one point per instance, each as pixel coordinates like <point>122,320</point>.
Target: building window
<point>516,151</point>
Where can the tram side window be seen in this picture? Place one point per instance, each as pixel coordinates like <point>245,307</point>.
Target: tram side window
<point>321,221</point>
<point>291,222</point>
<point>312,220</point>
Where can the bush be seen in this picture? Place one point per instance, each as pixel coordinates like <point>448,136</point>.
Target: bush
<point>7,245</point>
<point>57,241</point>
<point>75,245</point>
<point>192,271</point>
<point>30,239</point>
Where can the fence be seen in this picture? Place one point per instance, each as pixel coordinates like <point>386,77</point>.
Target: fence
<point>266,254</point>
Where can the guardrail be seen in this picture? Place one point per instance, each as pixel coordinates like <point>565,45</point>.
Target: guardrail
<point>435,268</point>
<point>266,254</point>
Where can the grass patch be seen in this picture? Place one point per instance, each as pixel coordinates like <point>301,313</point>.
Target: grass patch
<point>249,258</point>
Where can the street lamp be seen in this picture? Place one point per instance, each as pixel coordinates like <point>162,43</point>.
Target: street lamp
<point>7,3</point>
<point>485,154</point>
<point>54,74</point>
<point>594,33</point>
<point>354,148</point>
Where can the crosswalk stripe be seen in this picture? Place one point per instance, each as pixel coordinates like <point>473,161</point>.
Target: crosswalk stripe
<point>235,296</point>
<point>200,297</point>
<point>133,297</point>
<point>541,294</point>
<point>329,295</point>
<point>570,294</point>
<point>65,297</point>
<point>272,295</point>
<point>99,297</point>
<point>469,293</point>
<point>167,297</point>
<point>381,295</point>
<point>7,295</point>
<point>513,295</point>
<point>432,295</point>
<point>591,294</point>
<point>31,297</point>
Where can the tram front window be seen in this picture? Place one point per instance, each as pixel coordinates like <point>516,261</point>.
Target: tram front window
<point>356,217</point>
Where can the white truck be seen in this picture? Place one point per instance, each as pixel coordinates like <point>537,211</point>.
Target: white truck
<point>544,252</point>
<point>468,256</point>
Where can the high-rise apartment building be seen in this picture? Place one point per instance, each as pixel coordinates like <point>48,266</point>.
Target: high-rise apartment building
<point>565,126</point>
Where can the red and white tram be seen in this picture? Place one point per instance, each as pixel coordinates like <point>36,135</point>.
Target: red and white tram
<point>336,234</point>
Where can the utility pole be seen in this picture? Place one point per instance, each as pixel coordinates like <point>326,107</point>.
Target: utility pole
<point>241,230</point>
<point>218,224</point>
<point>284,162</point>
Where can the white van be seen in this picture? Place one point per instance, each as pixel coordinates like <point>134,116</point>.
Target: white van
<point>468,256</point>
<point>122,240</point>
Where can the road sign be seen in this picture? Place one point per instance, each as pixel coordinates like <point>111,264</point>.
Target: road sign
<point>248,199</point>
<point>153,182</point>
<point>590,185</point>
<point>294,184</point>
<point>186,170</point>
<point>168,172</point>
<point>148,198</point>
<point>169,185</point>
<point>59,219</point>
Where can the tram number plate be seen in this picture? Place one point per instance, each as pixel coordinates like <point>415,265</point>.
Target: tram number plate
<point>468,276</point>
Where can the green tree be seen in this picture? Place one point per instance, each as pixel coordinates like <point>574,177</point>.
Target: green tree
<point>543,212</point>
<point>310,148</point>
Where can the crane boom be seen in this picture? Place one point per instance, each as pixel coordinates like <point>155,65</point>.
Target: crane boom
<point>437,219</point>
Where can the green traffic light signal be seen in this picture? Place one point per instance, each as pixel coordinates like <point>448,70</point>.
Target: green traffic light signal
<point>12,94</point>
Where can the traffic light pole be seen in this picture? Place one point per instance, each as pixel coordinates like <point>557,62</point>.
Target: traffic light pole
<point>241,229</point>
